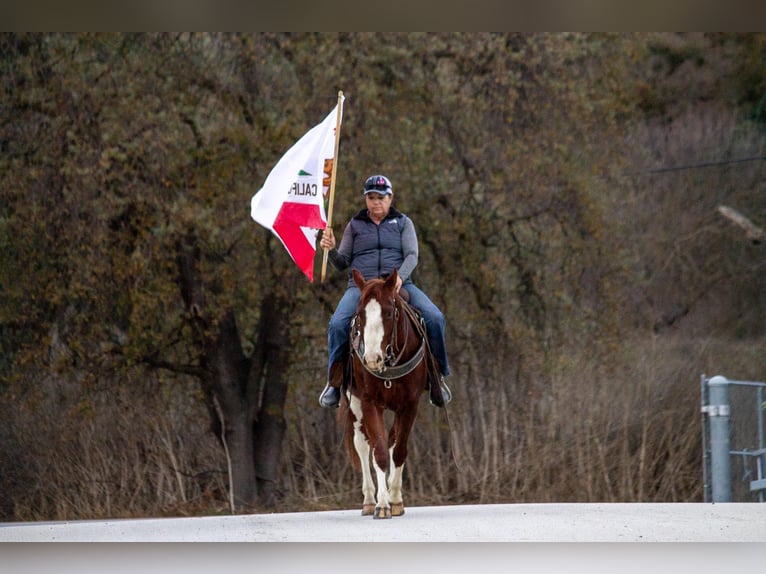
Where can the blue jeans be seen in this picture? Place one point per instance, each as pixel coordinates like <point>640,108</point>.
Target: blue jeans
<point>340,322</point>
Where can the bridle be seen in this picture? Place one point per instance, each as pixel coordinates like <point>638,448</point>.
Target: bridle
<point>392,368</point>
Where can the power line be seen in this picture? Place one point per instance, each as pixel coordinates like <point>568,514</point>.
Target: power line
<point>697,165</point>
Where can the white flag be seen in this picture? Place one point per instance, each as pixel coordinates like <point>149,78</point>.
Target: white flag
<point>291,201</point>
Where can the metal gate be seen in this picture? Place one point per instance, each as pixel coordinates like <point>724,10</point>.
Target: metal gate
<point>733,447</point>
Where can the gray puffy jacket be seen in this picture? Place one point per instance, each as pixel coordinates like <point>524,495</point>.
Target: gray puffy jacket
<point>376,250</point>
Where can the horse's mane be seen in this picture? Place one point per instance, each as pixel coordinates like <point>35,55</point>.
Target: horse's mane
<point>373,287</point>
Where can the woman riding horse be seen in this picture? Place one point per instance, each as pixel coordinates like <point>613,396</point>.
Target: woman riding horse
<point>376,241</point>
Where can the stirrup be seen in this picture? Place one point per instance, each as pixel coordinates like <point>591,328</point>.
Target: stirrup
<point>446,394</point>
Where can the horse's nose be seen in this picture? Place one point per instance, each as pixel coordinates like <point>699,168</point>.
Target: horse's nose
<point>374,360</point>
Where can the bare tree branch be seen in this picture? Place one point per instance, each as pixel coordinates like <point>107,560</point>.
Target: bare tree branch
<point>754,233</point>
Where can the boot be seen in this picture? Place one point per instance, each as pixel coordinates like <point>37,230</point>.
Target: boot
<point>330,397</point>
<point>434,397</point>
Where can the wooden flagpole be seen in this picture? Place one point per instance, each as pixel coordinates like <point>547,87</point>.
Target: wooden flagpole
<point>332,180</point>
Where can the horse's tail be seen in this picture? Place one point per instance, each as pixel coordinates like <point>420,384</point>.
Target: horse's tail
<point>345,416</point>
<point>346,419</point>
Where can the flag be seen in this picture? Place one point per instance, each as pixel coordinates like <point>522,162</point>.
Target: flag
<point>291,201</point>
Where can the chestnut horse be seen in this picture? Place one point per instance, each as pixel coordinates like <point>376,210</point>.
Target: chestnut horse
<point>389,358</point>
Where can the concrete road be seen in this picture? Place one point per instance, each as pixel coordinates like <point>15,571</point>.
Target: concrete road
<point>693,522</point>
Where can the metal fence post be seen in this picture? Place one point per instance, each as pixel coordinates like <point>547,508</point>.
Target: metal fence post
<point>718,413</point>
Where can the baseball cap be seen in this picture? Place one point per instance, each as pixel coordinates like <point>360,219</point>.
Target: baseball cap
<point>379,184</point>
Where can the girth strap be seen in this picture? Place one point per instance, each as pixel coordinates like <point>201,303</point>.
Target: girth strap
<point>396,371</point>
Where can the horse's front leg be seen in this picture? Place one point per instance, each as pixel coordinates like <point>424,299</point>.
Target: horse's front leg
<point>376,431</point>
<point>395,487</point>
<point>362,447</point>
<point>368,487</point>
<point>383,508</point>
<point>397,440</point>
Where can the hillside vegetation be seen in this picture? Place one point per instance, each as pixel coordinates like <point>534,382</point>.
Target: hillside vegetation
<point>565,190</point>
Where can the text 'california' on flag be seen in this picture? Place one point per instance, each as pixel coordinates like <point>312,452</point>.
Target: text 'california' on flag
<point>291,201</point>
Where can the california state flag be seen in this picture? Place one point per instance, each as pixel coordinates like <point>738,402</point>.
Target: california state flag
<point>291,201</point>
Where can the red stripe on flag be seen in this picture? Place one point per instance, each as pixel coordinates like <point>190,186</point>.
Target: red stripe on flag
<point>287,225</point>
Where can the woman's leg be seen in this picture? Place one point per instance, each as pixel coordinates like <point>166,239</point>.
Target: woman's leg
<point>338,328</point>
<point>337,343</point>
<point>435,325</point>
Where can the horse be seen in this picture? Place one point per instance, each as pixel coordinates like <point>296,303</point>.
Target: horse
<point>389,371</point>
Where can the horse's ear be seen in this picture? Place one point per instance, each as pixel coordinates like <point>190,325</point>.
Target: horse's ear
<point>391,281</point>
<point>358,278</point>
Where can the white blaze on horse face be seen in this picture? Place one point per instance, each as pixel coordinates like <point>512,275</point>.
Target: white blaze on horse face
<point>373,336</point>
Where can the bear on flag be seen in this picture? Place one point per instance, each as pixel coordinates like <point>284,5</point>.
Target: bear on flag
<point>291,201</point>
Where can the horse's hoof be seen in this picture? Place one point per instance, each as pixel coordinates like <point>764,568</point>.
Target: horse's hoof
<point>382,513</point>
<point>368,509</point>
<point>397,509</point>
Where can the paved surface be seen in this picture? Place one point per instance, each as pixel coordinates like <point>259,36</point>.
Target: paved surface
<point>694,522</point>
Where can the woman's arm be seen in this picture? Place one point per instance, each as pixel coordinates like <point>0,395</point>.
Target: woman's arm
<point>341,257</point>
<point>409,249</point>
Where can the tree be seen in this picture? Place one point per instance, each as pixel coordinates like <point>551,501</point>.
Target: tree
<point>139,151</point>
